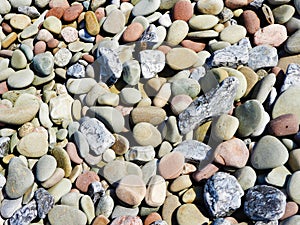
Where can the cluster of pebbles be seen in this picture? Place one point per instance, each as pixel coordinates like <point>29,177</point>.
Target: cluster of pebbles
<point>149,112</point>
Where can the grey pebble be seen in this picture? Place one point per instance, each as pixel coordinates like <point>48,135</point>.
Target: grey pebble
<point>43,63</point>
<point>10,206</point>
<point>4,146</point>
<point>44,201</point>
<point>124,211</point>
<point>77,70</point>
<point>24,215</point>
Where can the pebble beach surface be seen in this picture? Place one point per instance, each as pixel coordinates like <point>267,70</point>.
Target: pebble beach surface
<point>149,112</point>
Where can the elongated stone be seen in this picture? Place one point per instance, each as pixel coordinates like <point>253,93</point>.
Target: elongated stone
<point>213,103</point>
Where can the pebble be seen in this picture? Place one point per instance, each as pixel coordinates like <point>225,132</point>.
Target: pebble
<point>92,25</point>
<point>43,63</point>
<point>213,7</point>
<point>18,60</point>
<point>156,191</point>
<point>149,114</point>
<point>171,170</point>
<point>283,13</point>
<point>181,183</point>
<point>190,214</point>
<point>293,160</point>
<point>291,209</point>
<point>124,211</point>
<point>146,134</point>
<point>292,191</point>
<point>151,218</point>
<point>63,214</point>
<point>291,45</point>
<point>127,220</point>
<point>19,178</point>
<point>60,189</point>
<point>6,7</point>
<point>262,156</point>
<point>292,220</point>
<point>105,206</point>
<point>179,103</point>
<point>133,32</point>
<point>10,206</point>
<point>44,201</point>
<point>170,205</point>
<point>270,57</point>
<point>145,7</point>
<point>203,22</point>
<point>45,167</point>
<point>274,35</point>
<point>181,58</point>
<point>130,96</point>
<point>185,86</point>
<point>152,62</point>
<point>115,22</point>
<point>177,32</point>
<point>246,177</point>
<point>52,24</point>
<point>183,10</point>
<point>233,33</point>
<point>251,21</point>
<point>21,78</point>
<point>69,34</point>
<point>264,202</point>
<point>283,125</point>
<point>224,127</point>
<point>71,13</point>
<point>278,176</point>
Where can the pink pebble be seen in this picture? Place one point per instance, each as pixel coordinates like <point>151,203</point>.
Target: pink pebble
<point>69,34</point>
<point>39,47</point>
<point>72,152</point>
<point>274,35</point>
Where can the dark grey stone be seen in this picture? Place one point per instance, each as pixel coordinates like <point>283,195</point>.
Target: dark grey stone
<point>272,222</point>
<point>4,146</point>
<point>44,201</point>
<point>24,215</point>
<point>213,103</point>
<point>30,11</point>
<point>264,203</point>
<point>222,194</point>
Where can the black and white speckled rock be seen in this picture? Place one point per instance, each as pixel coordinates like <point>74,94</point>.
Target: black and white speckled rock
<point>262,56</point>
<point>159,222</point>
<point>24,215</point>
<point>215,102</point>
<point>272,222</point>
<point>149,37</point>
<point>221,221</point>
<point>292,76</point>
<point>264,203</point>
<point>96,191</point>
<point>98,137</point>
<point>222,194</point>
<point>4,146</point>
<point>76,70</point>
<point>152,62</point>
<point>44,201</point>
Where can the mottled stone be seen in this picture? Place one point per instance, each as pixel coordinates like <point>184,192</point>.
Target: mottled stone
<point>264,202</point>
<point>127,220</point>
<point>24,215</point>
<point>222,194</point>
<point>105,206</point>
<point>43,63</point>
<point>262,56</point>
<point>44,201</point>
<point>274,35</point>
<point>152,62</point>
<point>204,107</point>
<point>4,146</point>
<point>291,76</point>
<point>140,153</point>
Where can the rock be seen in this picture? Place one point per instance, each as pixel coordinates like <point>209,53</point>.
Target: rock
<point>24,215</point>
<point>269,153</point>
<point>152,62</point>
<point>206,172</point>
<point>264,87</point>
<point>274,35</point>
<point>283,13</point>
<point>127,220</point>
<point>203,22</point>
<point>60,109</point>
<point>21,78</point>
<point>76,70</point>
<point>124,211</point>
<point>146,134</point>
<point>156,191</point>
<point>225,185</point>
<point>19,178</point>
<point>45,167</point>
<point>183,10</point>
<point>149,114</point>
<point>233,152</point>
<point>91,23</point>
<point>62,57</point>
<point>291,209</point>
<point>4,146</point>
<point>224,127</point>
<point>10,206</point>
<point>43,63</point>
<point>151,218</point>
<point>292,220</point>
<point>170,205</point>
<point>69,34</point>
<point>292,190</point>
<point>177,32</point>
<point>269,59</point>
<point>63,160</point>
<point>52,24</point>
<point>251,21</point>
<point>236,4</point>
<point>18,60</point>
<point>105,206</point>
<point>181,183</point>
<point>80,86</point>
<point>130,96</point>
<point>176,58</point>
<point>278,176</point>
<point>63,214</point>
<point>6,7</point>
<point>88,208</point>
<point>71,13</point>
<point>114,22</point>
<point>98,137</point>
<point>140,153</point>
<point>291,76</point>
<point>222,97</point>
<point>85,179</point>
<point>44,202</point>
<point>190,214</point>
<point>59,190</point>
<point>179,103</point>
<point>145,7</point>
<point>58,174</point>
<point>163,95</point>
<point>294,162</point>
<point>213,7</point>
<point>133,32</point>
<point>292,43</point>
<point>186,86</point>
<point>131,72</point>
<point>246,177</point>
<point>171,170</point>
<point>283,125</point>
<point>264,202</point>
<point>233,33</point>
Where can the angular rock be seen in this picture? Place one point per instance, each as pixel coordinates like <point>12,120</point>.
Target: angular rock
<point>152,62</point>
<point>44,201</point>
<point>149,37</point>
<point>265,203</point>
<point>292,76</point>
<point>4,146</point>
<point>222,194</point>
<point>24,215</point>
<point>140,153</point>
<point>263,56</point>
<point>76,70</point>
<point>98,137</point>
<point>213,103</point>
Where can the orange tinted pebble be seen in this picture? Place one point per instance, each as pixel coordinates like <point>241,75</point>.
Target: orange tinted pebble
<point>100,13</point>
<point>133,32</point>
<point>164,48</point>
<point>152,217</point>
<point>39,47</point>
<point>85,179</point>
<point>183,10</point>
<point>6,27</point>
<point>72,152</point>
<point>88,58</point>
<point>56,11</point>
<point>3,87</point>
<point>195,46</point>
<point>59,3</point>
<point>291,209</point>
<point>100,220</point>
<point>72,13</point>
<point>53,43</point>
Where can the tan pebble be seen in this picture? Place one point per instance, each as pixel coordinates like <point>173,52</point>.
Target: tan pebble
<point>57,176</point>
<point>193,45</point>
<point>121,144</point>
<point>133,32</point>
<point>73,12</point>
<point>6,53</point>
<point>232,220</point>
<point>251,21</point>
<point>283,125</point>
<point>170,205</point>
<point>59,3</point>
<point>171,165</point>
<point>188,168</point>
<point>152,217</point>
<point>11,38</point>
<point>85,179</point>
<point>149,114</point>
<point>100,220</point>
<point>56,11</point>
<point>183,10</point>
<point>163,96</point>
<point>72,152</point>
<point>20,21</point>
<point>91,23</point>
<point>25,129</point>
<point>291,209</point>
<point>205,173</point>
<point>235,4</point>
<point>251,77</point>
<point>39,47</point>
<point>180,183</point>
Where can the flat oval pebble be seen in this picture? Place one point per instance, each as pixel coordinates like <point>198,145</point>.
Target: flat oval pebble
<point>63,214</point>
<point>233,33</point>
<point>21,78</point>
<point>62,57</point>
<point>213,7</point>
<point>69,34</point>
<point>274,35</point>
<point>145,7</point>
<point>177,32</point>
<point>203,22</point>
<point>20,21</point>
<point>85,179</point>
<point>171,170</point>
<point>146,134</point>
<point>286,124</point>
<point>114,22</point>
<point>283,13</point>
<point>150,114</point>
<point>251,21</point>
<point>45,167</point>
<point>292,44</point>
<point>127,220</point>
<point>92,25</point>
<point>72,12</point>
<point>181,58</point>
<point>18,60</point>
<point>183,10</point>
<point>156,191</point>
<point>34,144</point>
<point>133,32</point>
<point>264,157</point>
<point>52,24</point>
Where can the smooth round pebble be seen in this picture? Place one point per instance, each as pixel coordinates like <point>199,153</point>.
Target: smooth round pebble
<point>21,78</point>
<point>45,167</point>
<point>146,134</point>
<point>69,34</point>
<point>274,35</point>
<point>213,7</point>
<point>18,60</point>
<point>63,214</point>
<point>183,10</point>
<point>52,24</point>
<point>181,58</point>
<point>171,165</point>
<point>233,33</point>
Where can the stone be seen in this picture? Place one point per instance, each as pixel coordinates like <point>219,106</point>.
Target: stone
<point>179,103</point>
<point>145,7</point>
<point>63,160</point>
<point>43,63</point>
<point>203,22</point>
<point>130,96</point>
<point>80,86</point>
<point>114,22</point>
<point>62,57</point>
<point>133,32</point>
<point>263,202</point>
<point>177,32</point>
<point>156,191</point>
<point>69,34</point>
<point>246,177</point>
<point>76,70</point>
<point>175,56</point>
<point>105,206</point>
<point>291,76</point>
<point>85,179</point>
<point>149,169</point>
<point>149,114</point>
<point>278,176</point>
<point>221,96</point>
<point>293,161</point>
<point>152,62</point>
<point>19,178</point>
<point>291,209</point>
<point>233,33</point>
<point>58,174</point>
<point>88,208</point>
<point>52,24</point>
<point>146,134</point>
<point>91,23</point>
<point>60,109</point>
<point>170,170</point>
<point>190,214</point>
<point>227,186</point>
<point>97,136</point>
<point>181,183</point>
<point>213,7</point>
<point>59,190</point>
<point>21,78</point>
<point>18,60</point>
<point>264,87</point>
<point>283,125</point>
<point>10,206</point>
<point>292,220</point>
<point>273,34</point>
<point>6,7</point>
<point>292,190</point>
<point>269,153</point>
<point>124,211</point>
<point>283,13</point>
<point>170,205</point>
<point>131,72</point>
<point>45,167</point>
<point>269,59</point>
<point>251,21</point>
<point>292,43</point>
<point>34,145</point>
<point>71,13</point>
<point>24,215</point>
<point>4,146</point>
<point>151,218</point>
<point>140,153</point>
<point>20,21</point>
<point>44,202</point>
<point>63,214</point>
<point>224,127</point>
<point>186,86</point>
<point>127,220</point>
<point>183,10</point>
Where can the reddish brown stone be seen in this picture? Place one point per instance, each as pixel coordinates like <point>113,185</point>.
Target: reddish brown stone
<point>251,21</point>
<point>133,32</point>
<point>39,47</point>
<point>152,217</point>
<point>88,58</point>
<point>195,46</point>
<point>56,11</point>
<point>291,209</point>
<point>6,28</point>
<point>85,179</point>
<point>72,152</point>
<point>72,13</point>
<point>283,125</point>
<point>171,165</point>
<point>127,220</point>
<point>183,10</point>
<point>100,220</point>
<point>53,43</point>
<point>235,4</point>
<point>164,48</point>
<point>206,172</point>
<point>3,87</point>
<point>233,153</point>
